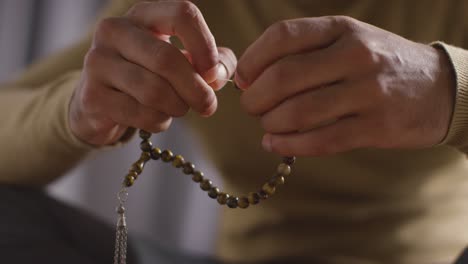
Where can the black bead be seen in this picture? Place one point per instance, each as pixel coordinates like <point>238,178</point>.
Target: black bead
<point>206,185</point>
<point>146,146</point>
<point>232,202</point>
<point>197,176</point>
<point>263,195</point>
<point>188,168</point>
<point>145,134</point>
<point>289,160</point>
<point>213,193</point>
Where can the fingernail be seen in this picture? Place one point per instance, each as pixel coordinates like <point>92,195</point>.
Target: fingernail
<point>266,142</point>
<point>240,81</point>
<point>222,73</point>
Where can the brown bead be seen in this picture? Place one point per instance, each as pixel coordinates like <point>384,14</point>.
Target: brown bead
<point>253,198</point>
<point>156,153</point>
<point>138,166</point>
<point>276,180</point>
<point>146,146</point>
<point>213,193</point>
<point>263,195</point>
<point>197,176</point>
<point>145,156</point>
<point>223,198</point>
<point>133,174</point>
<point>145,134</point>
<point>167,156</point>
<point>129,180</point>
<point>243,202</point>
<point>189,168</point>
<point>178,161</point>
<point>232,202</point>
<point>283,169</point>
<point>206,185</point>
<point>269,189</point>
<point>289,160</point>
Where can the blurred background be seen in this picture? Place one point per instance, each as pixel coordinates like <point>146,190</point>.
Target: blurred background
<point>164,205</point>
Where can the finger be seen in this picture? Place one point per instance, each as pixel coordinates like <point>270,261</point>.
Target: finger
<point>162,58</point>
<point>126,111</point>
<point>184,20</point>
<point>286,38</point>
<point>314,108</point>
<point>292,75</point>
<point>146,87</point>
<point>228,63</point>
<point>343,135</point>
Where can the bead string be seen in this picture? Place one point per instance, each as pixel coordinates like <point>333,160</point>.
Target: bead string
<point>232,201</point>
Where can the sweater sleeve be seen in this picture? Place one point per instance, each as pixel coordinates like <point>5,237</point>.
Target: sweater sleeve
<point>36,141</point>
<point>457,135</point>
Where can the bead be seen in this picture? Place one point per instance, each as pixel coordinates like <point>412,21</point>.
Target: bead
<point>133,174</point>
<point>189,168</point>
<point>206,185</point>
<point>120,209</point>
<point>213,192</point>
<point>269,189</point>
<point>129,181</point>
<point>145,156</point>
<point>263,195</point>
<point>283,169</point>
<point>289,160</point>
<point>146,146</point>
<point>155,153</point>
<point>276,180</point>
<point>167,156</point>
<point>197,176</point>
<point>178,161</point>
<point>232,202</point>
<point>145,134</point>
<point>223,198</point>
<point>243,202</point>
<point>253,198</point>
<point>138,166</point>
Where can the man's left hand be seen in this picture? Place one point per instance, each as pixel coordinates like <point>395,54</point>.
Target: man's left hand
<point>331,84</point>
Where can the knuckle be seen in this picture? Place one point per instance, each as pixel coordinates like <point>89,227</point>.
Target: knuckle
<point>186,11</point>
<point>93,59</point>
<point>364,51</point>
<point>280,31</point>
<point>106,28</point>
<point>347,23</point>
<point>137,8</point>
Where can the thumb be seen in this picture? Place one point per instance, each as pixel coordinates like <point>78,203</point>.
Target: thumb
<point>226,67</point>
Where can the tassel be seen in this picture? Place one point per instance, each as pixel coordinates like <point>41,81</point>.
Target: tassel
<point>120,253</point>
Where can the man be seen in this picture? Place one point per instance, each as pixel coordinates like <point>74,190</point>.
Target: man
<point>378,119</point>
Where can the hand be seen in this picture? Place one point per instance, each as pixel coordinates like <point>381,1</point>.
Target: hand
<point>134,77</point>
<point>331,84</point>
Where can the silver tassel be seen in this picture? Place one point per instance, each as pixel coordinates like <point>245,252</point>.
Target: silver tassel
<point>120,253</point>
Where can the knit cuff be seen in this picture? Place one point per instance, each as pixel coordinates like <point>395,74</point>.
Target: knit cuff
<point>457,135</point>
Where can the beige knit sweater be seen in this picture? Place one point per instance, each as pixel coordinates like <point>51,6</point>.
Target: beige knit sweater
<point>393,206</point>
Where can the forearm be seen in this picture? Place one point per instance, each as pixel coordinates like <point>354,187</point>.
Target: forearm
<point>37,145</point>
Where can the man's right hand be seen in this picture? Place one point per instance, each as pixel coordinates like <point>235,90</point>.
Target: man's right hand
<point>134,77</point>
